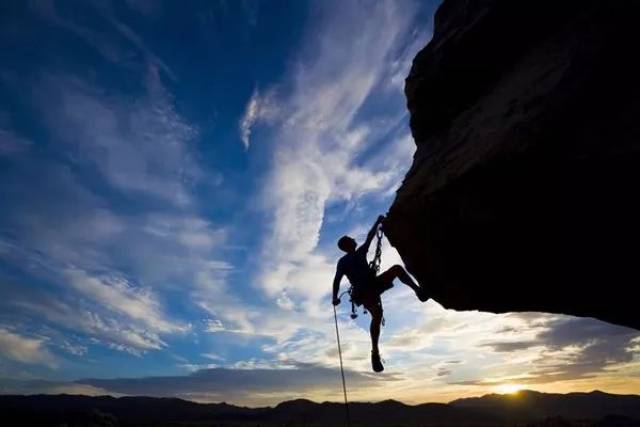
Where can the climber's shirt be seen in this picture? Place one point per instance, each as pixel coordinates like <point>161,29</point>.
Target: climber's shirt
<point>354,265</point>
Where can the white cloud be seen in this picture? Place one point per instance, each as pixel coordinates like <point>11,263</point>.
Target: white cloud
<point>101,40</point>
<point>214,325</point>
<point>284,301</point>
<point>74,349</point>
<point>140,146</point>
<point>192,232</point>
<point>213,356</point>
<point>259,108</point>
<point>100,325</point>
<point>122,297</point>
<point>25,350</point>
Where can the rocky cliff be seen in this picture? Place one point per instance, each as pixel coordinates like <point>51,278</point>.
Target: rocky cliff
<point>523,194</point>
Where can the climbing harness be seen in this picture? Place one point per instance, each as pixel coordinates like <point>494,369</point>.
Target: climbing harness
<point>344,384</point>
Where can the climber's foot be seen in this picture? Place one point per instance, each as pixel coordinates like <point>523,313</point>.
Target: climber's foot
<point>422,295</point>
<point>376,363</point>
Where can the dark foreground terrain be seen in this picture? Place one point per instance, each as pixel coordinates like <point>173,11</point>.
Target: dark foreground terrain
<point>527,408</point>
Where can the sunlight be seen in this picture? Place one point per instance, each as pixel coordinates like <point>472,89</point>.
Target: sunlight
<point>509,388</point>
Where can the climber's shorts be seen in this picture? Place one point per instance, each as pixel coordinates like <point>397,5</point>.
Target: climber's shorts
<point>369,293</point>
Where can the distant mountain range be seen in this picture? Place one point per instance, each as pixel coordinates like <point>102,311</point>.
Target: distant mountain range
<point>526,408</point>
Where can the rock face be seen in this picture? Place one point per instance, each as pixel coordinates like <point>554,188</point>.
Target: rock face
<point>524,191</point>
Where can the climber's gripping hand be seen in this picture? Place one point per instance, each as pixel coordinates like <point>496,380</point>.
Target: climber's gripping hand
<point>336,300</point>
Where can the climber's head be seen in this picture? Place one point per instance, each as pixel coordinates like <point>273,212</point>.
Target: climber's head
<point>347,244</point>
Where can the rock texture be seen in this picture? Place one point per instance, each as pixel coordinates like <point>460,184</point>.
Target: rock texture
<point>524,190</point>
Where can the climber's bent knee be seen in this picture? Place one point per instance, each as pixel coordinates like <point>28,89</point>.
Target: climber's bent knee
<point>397,269</point>
<point>387,277</point>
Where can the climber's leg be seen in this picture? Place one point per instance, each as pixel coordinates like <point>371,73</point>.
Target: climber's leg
<point>397,271</point>
<point>376,320</point>
<point>374,307</point>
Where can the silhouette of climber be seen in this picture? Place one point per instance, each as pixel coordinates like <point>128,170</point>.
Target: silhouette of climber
<point>367,287</point>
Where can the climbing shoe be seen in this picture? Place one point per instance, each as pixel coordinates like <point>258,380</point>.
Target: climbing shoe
<point>376,363</point>
<point>422,295</point>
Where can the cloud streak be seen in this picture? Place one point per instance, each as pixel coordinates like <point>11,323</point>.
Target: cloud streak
<point>140,147</point>
<point>24,349</point>
<point>260,108</point>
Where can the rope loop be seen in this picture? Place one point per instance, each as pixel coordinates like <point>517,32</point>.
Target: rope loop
<point>374,265</point>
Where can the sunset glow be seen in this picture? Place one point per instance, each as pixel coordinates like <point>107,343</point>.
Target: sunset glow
<point>509,388</point>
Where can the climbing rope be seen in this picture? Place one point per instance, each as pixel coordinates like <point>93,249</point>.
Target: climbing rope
<point>377,258</point>
<point>344,384</point>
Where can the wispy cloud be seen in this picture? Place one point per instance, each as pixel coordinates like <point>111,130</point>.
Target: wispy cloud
<point>120,296</point>
<point>24,349</point>
<point>101,327</point>
<point>102,41</point>
<point>561,349</point>
<point>261,107</point>
<point>141,147</point>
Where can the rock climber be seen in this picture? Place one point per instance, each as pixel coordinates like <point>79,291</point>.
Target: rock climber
<point>367,286</point>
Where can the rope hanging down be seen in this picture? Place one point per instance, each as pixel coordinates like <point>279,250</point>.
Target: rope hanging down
<point>344,384</point>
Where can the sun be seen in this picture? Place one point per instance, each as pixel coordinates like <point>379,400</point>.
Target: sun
<point>509,388</point>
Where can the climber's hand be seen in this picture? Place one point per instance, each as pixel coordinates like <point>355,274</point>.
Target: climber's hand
<point>336,301</point>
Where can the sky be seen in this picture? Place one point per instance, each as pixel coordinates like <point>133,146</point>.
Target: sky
<point>174,177</point>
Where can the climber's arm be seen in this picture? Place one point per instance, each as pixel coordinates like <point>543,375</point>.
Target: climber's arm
<point>336,284</point>
<point>371,234</point>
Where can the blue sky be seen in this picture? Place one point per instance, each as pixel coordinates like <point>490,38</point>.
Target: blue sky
<point>174,178</point>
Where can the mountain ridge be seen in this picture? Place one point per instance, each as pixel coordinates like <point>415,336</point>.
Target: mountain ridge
<point>489,410</point>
